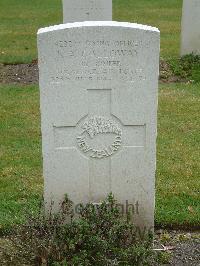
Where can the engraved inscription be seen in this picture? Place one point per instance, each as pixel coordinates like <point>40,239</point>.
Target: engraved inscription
<point>97,73</point>
<point>99,43</point>
<point>98,60</point>
<point>93,140</point>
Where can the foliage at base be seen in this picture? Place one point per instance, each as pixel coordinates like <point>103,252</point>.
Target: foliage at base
<point>187,67</point>
<point>101,235</point>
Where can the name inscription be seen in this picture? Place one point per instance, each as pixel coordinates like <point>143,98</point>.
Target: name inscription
<point>92,128</point>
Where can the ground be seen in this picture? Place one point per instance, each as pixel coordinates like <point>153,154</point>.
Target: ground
<point>24,74</point>
<point>176,248</point>
<point>182,248</point>
<point>178,150</point>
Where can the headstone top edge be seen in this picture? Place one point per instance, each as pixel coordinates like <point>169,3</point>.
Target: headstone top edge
<point>96,24</point>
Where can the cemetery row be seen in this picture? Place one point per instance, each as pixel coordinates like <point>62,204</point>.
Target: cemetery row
<point>165,16</point>
<point>95,10</point>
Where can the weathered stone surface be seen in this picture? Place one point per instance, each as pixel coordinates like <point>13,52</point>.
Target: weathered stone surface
<point>98,83</point>
<point>87,10</point>
<point>190,37</point>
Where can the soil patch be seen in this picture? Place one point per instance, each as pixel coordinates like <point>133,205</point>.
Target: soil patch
<point>22,74</point>
<point>27,74</point>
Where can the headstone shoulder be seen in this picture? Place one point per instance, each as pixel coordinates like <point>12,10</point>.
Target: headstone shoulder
<point>98,24</point>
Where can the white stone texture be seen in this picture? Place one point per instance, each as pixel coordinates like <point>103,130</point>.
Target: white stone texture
<point>190,36</point>
<point>98,85</point>
<point>87,10</point>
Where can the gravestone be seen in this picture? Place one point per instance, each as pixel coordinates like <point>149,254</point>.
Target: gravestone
<point>190,37</point>
<point>98,85</point>
<point>87,10</point>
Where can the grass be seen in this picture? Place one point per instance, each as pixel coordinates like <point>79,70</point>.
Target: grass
<point>165,15</point>
<point>178,170</point>
<point>21,19</point>
<point>20,155</point>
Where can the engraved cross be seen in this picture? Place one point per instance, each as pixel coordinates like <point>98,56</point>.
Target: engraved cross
<point>98,137</point>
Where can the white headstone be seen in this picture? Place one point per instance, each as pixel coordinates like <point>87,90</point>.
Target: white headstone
<point>87,10</point>
<point>190,39</point>
<point>98,83</point>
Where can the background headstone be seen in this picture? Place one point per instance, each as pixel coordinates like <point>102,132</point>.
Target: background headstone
<point>190,39</point>
<point>98,83</point>
<point>87,10</point>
